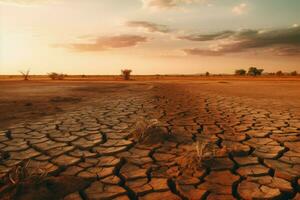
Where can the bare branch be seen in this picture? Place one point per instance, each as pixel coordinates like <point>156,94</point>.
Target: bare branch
<point>25,74</point>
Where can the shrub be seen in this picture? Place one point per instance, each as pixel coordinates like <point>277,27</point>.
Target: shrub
<point>271,73</point>
<point>240,72</point>
<point>25,75</point>
<point>253,71</point>
<point>294,73</point>
<point>126,74</point>
<point>56,76</point>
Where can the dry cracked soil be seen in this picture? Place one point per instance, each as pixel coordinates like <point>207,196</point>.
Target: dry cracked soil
<point>86,152</point>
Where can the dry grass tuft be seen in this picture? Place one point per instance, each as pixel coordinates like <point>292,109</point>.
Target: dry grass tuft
<point>19,175</point>
<point>22,173</point>
<point>27,182</point>
<point>204,150</point>
<point>148,131</point>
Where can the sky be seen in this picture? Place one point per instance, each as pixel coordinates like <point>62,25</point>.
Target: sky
<point>148,36</point>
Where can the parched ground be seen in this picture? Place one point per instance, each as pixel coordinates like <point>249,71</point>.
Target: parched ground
<point>82,129</point>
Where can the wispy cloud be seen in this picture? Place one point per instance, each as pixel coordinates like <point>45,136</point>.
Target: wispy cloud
<point>167,4</point>
<point>281,41</point>
<point>207,37</point>
<point>240,9</point>
<point>149,26</point>
<point>104,43</point>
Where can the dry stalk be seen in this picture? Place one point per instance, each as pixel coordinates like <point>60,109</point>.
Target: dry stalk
<point>143,128</point>
<point>24,172</point>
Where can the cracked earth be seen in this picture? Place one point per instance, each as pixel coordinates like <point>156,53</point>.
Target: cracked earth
<point>92,142</point>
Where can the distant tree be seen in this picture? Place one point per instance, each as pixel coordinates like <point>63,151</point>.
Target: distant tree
<point>207,74</point>
<point>279,73</point>
<point>126,74</point>
<point>56,76</point>
<point>253,71</point>
<point>294,73</point>
<point>240,72</point>
<point>25,75</point>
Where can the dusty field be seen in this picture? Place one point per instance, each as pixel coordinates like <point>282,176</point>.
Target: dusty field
<point>82,129</point>
<point>26,100</point>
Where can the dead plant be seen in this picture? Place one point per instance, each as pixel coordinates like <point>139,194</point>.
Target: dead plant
<point>25,75</point>
<point>205,150</point>
<point>148,131</point>
<point>22,172</point>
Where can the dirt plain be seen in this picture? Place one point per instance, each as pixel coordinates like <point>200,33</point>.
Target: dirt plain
<point>82,129</point>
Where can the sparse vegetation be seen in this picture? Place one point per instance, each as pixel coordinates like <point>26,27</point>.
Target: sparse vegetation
<point>56,76</point>
<point>204,151</point>
<point>29,181</point>
<point>148,131</point>
<point>253,71</point>
<point>22,172</point>
<point>240,72</point>
<point>25,75</point>
<point>143,127</point>
<point>294,73</point>
<point>126,74</point>
<point>19,175</point>
<point>207,149</point>
<point>279,73</point>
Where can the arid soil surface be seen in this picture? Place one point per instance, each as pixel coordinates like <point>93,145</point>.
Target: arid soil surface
<point>82,130</point>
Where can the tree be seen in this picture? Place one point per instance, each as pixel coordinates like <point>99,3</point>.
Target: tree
<point>294,73</point>
<point>25,75</point>
<point>207,74</point>
<point>279,73</point>
<point>240,72</point>
<point>126,74</point>
<point>253,71</point>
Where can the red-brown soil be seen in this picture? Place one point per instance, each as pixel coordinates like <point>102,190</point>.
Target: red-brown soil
<point>82,129</point>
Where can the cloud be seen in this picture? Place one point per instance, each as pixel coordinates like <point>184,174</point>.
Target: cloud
<point>106,43</point>
<point>239,9</point>
<point>202,52</point>
<point>166,4</point>
<point>287,51</point>
<point>207,37</point>
<point>281,41</point>
<point>149,26</point>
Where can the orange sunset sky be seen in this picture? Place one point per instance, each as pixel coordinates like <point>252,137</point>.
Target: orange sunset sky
<point>148,36</point>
